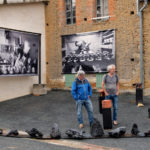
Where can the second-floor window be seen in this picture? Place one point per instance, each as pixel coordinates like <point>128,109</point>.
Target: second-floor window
<point>70,11</point>
<point>101,8</point>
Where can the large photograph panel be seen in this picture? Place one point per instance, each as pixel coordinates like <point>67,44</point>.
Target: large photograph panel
<point>19,52</point>
<point>91,52</point>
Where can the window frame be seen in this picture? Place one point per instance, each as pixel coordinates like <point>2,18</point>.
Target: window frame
<point>102,5</point>
<point>71,10</point>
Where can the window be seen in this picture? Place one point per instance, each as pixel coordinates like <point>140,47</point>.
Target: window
<point>101,8</point>
<point>70,11</point>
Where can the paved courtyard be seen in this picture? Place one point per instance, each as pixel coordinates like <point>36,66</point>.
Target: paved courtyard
<point>42,112</point>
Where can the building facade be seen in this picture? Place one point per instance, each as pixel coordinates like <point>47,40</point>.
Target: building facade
<point>27,17</point>
<point>55,19</point>
<point>120,15</point>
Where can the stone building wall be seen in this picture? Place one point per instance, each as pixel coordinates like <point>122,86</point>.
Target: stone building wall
<point>146,40</point>
<point>125,21</point>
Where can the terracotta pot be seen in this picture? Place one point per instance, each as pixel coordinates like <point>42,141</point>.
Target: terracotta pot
<point>106,104</point>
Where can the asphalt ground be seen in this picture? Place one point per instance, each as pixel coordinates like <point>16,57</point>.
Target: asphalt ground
<point>42,112</point>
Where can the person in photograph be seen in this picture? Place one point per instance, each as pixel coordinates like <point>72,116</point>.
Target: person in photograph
<point>90,58</point>
<point>23,60</point>
<point>68,64</point>
<point>79,44</point>
<point>82,92</point>
<point>34,66</point>
<point>110,85</point>
<point>18,63</point>
<point>28,65</point>
<point>83,47</point>
<point>11,71</point>
<point>26,55</point>
<point>4,69</point>
<point>98,56</point>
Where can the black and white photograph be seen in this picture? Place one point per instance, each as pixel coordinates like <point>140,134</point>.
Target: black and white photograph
<point>19,52</point>
<point>91,52</point>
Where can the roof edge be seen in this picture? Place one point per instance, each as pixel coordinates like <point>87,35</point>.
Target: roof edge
<point>4,2</point>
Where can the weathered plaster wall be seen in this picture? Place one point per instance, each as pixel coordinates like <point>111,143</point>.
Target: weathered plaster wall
<point>25,17</point>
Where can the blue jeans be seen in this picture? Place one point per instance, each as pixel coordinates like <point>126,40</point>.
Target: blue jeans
<point>89,107</point>
<point>114,99</point>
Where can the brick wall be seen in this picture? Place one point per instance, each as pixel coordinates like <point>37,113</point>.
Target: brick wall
<point>146,39</point>
<point>123,19</point>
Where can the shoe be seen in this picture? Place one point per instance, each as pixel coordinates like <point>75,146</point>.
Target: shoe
<point>81,126</point>
<point>115,122</point>
<point>140,105</point>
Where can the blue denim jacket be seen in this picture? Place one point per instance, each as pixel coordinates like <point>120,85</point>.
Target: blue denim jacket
<point>81,89</point>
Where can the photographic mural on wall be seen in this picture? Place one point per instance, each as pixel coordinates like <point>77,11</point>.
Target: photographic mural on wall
<point>89,51</point>
<point>19,52</point>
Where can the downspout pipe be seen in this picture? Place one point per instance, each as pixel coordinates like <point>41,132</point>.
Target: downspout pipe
<point>140,14</point>
<point>138,9</point>
<point>145,5</point>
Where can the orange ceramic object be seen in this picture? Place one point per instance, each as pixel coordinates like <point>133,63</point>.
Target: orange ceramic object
<point>106,104</point>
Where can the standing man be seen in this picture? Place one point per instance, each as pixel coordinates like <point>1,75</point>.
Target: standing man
<point>81,92</point>
<point>110,85</point>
